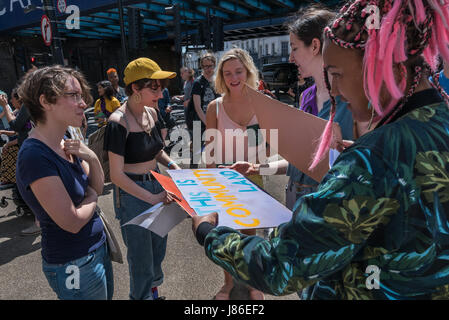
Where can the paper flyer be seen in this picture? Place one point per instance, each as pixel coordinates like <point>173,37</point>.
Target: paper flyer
<point>159,218</point>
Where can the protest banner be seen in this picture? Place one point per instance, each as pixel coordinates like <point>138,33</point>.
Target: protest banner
<point>240,203</point>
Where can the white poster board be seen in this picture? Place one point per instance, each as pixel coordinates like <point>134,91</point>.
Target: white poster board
<point>240,203</point>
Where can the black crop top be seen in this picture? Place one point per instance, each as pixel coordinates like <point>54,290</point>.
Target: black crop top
<point>137,147</point>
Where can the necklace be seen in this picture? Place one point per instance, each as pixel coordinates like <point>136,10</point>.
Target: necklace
<point>140,124</point>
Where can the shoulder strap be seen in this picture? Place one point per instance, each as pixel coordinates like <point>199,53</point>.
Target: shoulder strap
<point>218,101</point>
<point>216,108</point>
<point>126,121</point>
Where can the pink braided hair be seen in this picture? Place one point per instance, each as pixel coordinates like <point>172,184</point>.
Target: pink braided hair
<point>390,45</point>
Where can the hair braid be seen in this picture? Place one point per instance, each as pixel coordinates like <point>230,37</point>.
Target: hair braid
<point>411,34</point>
<point>326,137</point>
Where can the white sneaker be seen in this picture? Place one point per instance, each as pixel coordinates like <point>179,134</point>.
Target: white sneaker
<point>33,230</point>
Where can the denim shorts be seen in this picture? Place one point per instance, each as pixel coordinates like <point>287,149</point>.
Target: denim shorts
<point>146,250</point>
<point>87,278</point>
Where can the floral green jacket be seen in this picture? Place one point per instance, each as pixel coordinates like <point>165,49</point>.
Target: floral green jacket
<point>377,227</point>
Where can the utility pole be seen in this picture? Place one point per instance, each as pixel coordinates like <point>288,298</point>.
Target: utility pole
<point>122,35</point>
<point>176,34</point>
<point>56,43</point>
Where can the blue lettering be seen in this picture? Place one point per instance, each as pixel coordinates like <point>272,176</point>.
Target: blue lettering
<point>203,211</point>
<point>202,202</point>
<point>230,175</point>
<point>187,182</point>
<point>246,183</point>
<point>199,194</point>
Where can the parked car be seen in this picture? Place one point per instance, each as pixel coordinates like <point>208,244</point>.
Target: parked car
<point>280,76</point>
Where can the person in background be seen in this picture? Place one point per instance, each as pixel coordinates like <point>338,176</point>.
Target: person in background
<point>298,88</point>
<point>106,104</point>
<point>263,87</point>
<point>10,150</point>
<point>2,112</point>
<point>163,111</point>
<point>60,180</point>
<point>187,74</point>
<point>20,122</point>
<point>119,92</point>
<point>203,92</point>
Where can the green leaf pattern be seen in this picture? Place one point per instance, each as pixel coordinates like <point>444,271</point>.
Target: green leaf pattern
<point>357,218</point>
<point>433,174</point>
<point>384,203</point>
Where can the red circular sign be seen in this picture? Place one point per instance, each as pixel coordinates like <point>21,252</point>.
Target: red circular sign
<point>46,30</point>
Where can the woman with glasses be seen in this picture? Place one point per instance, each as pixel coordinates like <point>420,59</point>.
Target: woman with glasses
<point>203,93</point>
<point>60,180</point>
<point>134,144</point>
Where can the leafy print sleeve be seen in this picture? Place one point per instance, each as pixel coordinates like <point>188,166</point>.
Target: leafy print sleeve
<point>327,229</point>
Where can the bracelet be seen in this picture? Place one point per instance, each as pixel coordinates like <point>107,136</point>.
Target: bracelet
<point>170,163</point>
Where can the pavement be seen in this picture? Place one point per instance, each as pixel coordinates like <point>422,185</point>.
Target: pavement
<point>189,274</point>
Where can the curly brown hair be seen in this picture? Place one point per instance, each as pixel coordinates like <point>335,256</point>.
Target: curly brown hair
<point>50,82</point>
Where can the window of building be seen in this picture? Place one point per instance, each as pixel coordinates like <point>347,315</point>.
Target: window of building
<point>284,48</point>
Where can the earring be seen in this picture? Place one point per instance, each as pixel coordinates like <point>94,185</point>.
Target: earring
<point>137,98</point>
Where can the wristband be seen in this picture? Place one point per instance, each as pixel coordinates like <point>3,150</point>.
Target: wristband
<point>170,163</point>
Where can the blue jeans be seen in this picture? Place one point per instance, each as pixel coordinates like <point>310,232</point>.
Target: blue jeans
<point>146,250</point>
<point>86,278</point>
<point>293,193</point>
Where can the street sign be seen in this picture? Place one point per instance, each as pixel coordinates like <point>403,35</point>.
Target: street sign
<point>62,5</point>
<point>46,30</point>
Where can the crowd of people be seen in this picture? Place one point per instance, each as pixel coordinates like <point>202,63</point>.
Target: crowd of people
<point>382,203</point>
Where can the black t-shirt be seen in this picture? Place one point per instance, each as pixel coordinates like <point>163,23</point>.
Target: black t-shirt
<point>135,147</point>
<point>203,88</point>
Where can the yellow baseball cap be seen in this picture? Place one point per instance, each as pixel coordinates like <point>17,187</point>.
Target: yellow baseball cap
<point>144,68</point>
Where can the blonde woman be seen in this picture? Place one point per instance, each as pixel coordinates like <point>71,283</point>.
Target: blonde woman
<point>236,69</point>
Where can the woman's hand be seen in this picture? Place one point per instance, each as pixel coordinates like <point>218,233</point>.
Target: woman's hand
<point>79,149</point>
<point>211,218</point>
<point>3,101</point>
<point>165,196</point>
<point>243,167</point>
<point>343,144</point>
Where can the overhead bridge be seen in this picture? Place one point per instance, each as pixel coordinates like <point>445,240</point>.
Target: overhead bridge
<point>100,19</point>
